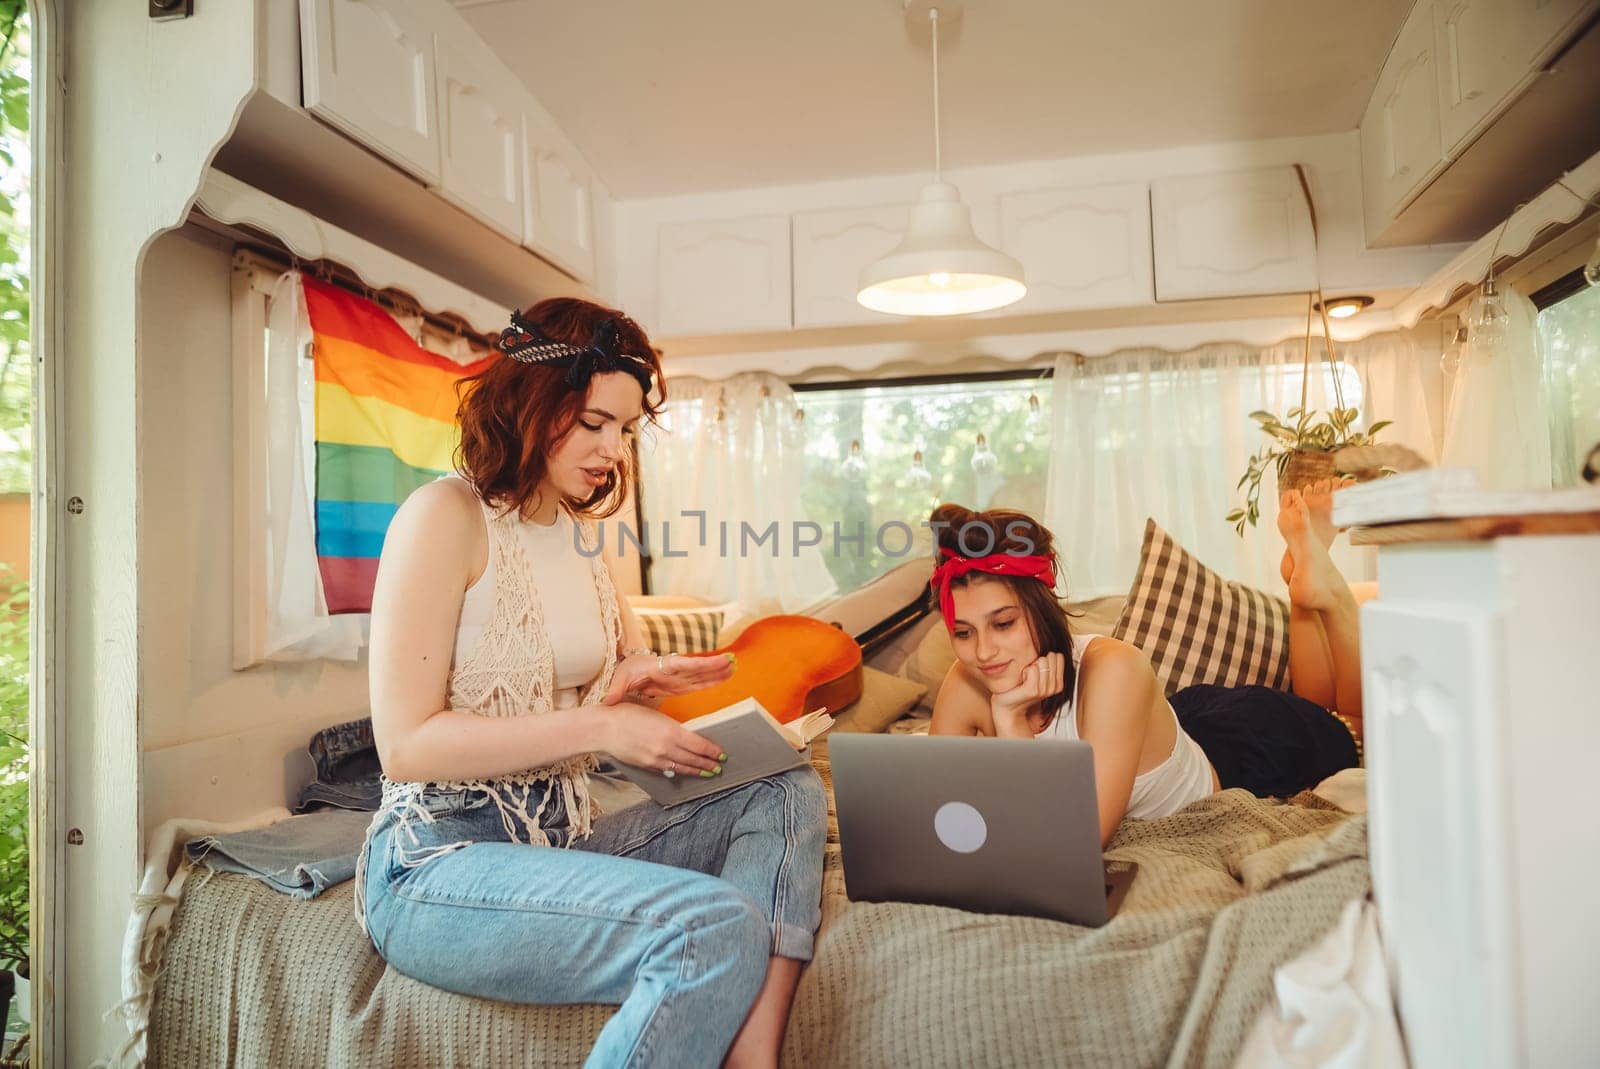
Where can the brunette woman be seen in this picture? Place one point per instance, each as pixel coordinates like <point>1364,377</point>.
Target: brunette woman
<point>1021,673</point>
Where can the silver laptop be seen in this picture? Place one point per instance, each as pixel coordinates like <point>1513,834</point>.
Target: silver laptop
<point>986,825</point>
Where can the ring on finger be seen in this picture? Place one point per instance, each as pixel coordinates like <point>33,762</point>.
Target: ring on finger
<point>661,662</point>
<point>671,770</point>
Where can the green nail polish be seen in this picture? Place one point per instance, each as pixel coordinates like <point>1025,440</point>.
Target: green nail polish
<point>704,774</point>
<point>717,771</point>
<point>722,757</point>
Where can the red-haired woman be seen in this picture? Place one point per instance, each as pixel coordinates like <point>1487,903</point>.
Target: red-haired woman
<point>502,662</point>
<point>1020,672</point>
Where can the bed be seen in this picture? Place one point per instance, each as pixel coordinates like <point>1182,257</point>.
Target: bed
<point>1228,890</point>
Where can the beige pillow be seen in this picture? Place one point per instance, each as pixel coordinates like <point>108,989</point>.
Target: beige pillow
<point>884,699</point>
<point>931,660</point>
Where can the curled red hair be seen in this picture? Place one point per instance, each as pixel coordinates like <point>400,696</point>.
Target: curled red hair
<point>511,413</point>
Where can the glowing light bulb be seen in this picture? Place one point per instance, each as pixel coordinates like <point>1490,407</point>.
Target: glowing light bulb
<point>984,462</point>
<point>940,279</point>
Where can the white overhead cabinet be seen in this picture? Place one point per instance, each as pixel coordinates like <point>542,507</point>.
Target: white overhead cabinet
<point>1080,248</point>
<point>1401,143</point>
<point>558,213</point>
<point>480,115</point>
<point>1464,114</point>
<point>1240,234</point>
<point>1546,25</point>
<point>369,71</point>
<point>1480,53</point>
<point>724,277</point>
<point>412,81</point>
<point>831,249</point>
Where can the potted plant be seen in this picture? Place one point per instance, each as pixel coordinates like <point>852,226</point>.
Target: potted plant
<point>1302,450</point>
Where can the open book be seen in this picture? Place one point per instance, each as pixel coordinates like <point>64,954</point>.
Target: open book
<point>756,745</point>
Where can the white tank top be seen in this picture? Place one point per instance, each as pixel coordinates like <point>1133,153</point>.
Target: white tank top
<point>565,581</point>
<point>1184,777</point>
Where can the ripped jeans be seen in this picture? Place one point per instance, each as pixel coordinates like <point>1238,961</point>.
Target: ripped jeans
<point>671,913</point>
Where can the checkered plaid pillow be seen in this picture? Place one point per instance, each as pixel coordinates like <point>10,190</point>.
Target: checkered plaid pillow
<point>680,630</point>
<point>1197,627</point>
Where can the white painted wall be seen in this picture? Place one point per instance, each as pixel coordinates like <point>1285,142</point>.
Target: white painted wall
<point>133,159</point>
<point>217,744</point>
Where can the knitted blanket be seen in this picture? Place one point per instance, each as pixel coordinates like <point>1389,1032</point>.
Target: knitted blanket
<point>1227,890</point>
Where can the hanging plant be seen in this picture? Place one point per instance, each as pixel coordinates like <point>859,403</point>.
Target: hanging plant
<point>1303,450</point>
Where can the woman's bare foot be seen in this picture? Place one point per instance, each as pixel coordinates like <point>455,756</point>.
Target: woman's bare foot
<point>1315,582</point>
<point>1290,526</point>
<point>1319,503</point>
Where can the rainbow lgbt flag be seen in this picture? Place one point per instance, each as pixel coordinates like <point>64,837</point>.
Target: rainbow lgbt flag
<point>385,424</point>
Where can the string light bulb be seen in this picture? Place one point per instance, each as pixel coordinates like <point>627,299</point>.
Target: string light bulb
<point>1490,324</point>
<point>1450,359</point>
<point>984,462</point>
<point>919,477</point>
<point>855,465</point>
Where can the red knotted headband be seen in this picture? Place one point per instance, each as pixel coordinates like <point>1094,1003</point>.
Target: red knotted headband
<point>954,566</point>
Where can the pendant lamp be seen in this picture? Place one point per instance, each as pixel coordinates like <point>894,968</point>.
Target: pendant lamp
<point>940,268</point>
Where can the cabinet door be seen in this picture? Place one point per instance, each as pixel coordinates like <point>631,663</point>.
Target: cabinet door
<point>1546,25</point>
<point>1231,235</point>
<point>558,219</point>
<point>830,250</point>
<point>1480,63</point>
<point>368,70</point>
<point>1401,150</point>
<point>724,277</point>
<point>1080,248</point>
<point>480,122</point>
<point>1434,688</point>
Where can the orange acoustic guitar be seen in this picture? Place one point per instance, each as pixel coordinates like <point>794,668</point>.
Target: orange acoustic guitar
<point>790,664</point>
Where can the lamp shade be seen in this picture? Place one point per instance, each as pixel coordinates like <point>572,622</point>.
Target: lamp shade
<point>941,268</point>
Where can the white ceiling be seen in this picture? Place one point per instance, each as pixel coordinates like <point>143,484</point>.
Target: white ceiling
<point>680,96</point>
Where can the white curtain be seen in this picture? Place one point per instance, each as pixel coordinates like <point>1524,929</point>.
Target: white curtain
<point>732,451</point>
<point>298,627</point>
<point>1145,432</point>
<point>1498,422</point>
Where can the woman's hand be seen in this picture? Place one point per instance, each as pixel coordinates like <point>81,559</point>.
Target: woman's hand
<point>643,737</point>
<point>647,676</point>
<point>1042,679</point>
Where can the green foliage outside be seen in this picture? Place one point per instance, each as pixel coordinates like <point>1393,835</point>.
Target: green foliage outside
<point>893,424</point>
<point>16,464</point>
<point>16,361</point>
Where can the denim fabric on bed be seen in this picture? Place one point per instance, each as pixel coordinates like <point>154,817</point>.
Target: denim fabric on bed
<point>299,856</point>
<point>1272,743</point>
<point>346,759</point>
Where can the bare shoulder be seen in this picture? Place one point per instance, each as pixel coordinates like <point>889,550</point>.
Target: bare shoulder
<point>1113,671</point>
<point>440,521</point>
<point>962,705</point>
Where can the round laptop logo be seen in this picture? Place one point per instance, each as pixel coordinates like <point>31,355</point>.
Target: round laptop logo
<point>960,827</point>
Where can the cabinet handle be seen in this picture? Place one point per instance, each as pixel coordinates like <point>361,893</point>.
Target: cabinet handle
<point>1474,95</point>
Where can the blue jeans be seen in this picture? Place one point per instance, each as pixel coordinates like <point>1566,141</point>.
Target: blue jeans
<point>671,913</point>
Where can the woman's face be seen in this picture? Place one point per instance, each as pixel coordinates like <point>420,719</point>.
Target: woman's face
<point>579,462</point>
<point>991,635</point>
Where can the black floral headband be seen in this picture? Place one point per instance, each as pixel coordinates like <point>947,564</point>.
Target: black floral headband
<point>525,343</point>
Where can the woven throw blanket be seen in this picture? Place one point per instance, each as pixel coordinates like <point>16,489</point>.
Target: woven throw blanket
<point>1227,890</point>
